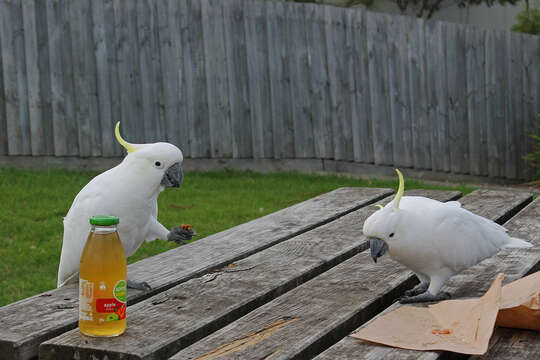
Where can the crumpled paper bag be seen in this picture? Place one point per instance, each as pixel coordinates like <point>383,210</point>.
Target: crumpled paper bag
<point>463,326</point>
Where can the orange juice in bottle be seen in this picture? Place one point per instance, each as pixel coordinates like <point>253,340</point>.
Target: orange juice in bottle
<point>102,280</point>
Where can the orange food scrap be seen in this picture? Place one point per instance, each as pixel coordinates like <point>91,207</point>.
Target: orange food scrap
<point>441,332</point>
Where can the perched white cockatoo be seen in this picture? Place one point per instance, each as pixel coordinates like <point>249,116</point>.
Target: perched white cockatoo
<point>436,240</point>
<point>128,191</point>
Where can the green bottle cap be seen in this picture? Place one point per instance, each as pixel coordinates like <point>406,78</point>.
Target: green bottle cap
<point>104,220</point>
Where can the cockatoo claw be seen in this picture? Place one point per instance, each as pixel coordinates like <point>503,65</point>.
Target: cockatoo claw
<point>181,234</point>
<point>143,285</point>
<point>418,289</point>
<point>424,297</point>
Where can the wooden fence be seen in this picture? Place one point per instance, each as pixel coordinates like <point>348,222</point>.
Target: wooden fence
<point>265,79</point>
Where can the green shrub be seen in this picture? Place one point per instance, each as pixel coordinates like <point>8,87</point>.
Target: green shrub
<point>528,21</point>
<point>534,157</point>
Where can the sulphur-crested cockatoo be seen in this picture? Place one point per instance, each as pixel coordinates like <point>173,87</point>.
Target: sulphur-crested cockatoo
<point>128,191</point>
<point>436,240</point>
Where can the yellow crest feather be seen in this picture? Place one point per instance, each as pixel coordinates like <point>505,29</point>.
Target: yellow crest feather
<point>129,147</point>
<point>379,206</point>
<point>401,188</point>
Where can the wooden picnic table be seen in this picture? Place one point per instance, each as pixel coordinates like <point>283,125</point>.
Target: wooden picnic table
<point>289,285</point>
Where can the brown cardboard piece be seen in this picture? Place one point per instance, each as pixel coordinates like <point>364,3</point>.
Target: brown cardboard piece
<point>463,326</point>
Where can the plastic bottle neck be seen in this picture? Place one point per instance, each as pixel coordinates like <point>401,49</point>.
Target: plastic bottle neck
<point>100,229</point>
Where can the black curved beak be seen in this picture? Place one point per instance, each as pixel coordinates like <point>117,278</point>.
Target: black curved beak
<point>378,248</point>
<point>173,176</point>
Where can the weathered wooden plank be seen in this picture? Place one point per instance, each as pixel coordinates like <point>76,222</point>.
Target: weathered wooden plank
<point>314,315</point>
<point>50,314</point>
<point>65,134</point>
<point>259,82</point>
<point>476,101</point>
<point>514,105</point>
<point>216,78</point>
<point>531,96</point>
<point>512,344</point>
<point>378,87</point>
<point>299,81</point>
<point>362,122</point>
<point>84,79</point>
<point>420,125</point>
<point>496,82</point>
<point>398,76</point>
<point>339,56</point>
<point>15,85</point>
<point>458,128</point>
<point>195,78</point>
<point>319,80</point>
<point>37,76</point>
<point>472,282</point>
<point>437,95</point>
<point>229,293</point>
<point>106,74</point>
<point>237,71</point>
<point>125,16</point>
<point>150,71</point>
<point>280,83</point>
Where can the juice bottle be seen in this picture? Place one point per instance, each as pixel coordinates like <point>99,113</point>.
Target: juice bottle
<point>102,280</point>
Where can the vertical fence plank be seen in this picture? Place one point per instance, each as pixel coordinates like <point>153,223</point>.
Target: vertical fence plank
<point>339,55</point>
<point>437,95</point>
<point>3,119</point>
<point>87,111</point>
<point>149,69</point>
<point>476,101</point>
<point>216,78</point>
<point>319,81</point>
<point>362,123</point>
<point>531,97</point>
<point>37,75</point>
<point>173,120</point>
<point>514,106</point>
<point>195,78</point>
<point>237,71</point>
<point>496,101</point>
<point>13,62</point>
<point>399,92</point>
<point>299,78</point>
<point>280,84</point>
<point>420,125</point>
<point>378,88</point>
<point>66,140</point>
<point>458,130</point>
<point>258,77</point>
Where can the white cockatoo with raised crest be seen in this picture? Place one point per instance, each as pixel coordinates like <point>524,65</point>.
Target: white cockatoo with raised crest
<point>435,240</point>
<point>128,191</point>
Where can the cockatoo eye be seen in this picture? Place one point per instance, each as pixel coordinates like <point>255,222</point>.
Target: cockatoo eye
<point>158,165</point>
<point>391,235</point>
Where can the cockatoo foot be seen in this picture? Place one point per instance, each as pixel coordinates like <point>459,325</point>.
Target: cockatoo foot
<point>418,289</point>
<point>181,234</point>
<point>424,297</point>
<point>143,285</point>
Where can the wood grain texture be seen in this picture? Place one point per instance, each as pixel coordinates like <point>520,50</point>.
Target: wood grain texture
<point>195,78</point>
<point>339,55</point>
<point>512,344</point>
<point>259,79</point>
<point>398,78</point>
<point>216,78</point>
<point>361,124</point>
<point>420,125</point>
<point>15,83</point>
<point>3,119</point>
<point>299,82</point>
<point>378,88</point>
<point>471,283</point>
<point>66,139</point>
<point>280,82</point>
<point>22,330</point>
<point>325,308</point>
<point>237,70</point>
<point>195,308</point>
<point>319,80</point>
<point>514,121</point>
<point>458,129</point>
<point>496,56</point>
<point>476,101</point>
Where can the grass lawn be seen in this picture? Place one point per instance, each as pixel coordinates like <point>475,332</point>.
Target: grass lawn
<point>34,203</point>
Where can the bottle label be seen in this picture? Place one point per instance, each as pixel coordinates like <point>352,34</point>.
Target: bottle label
<point>114,307</point>
<point>86,297</point>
